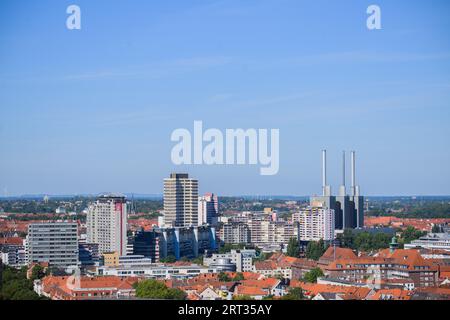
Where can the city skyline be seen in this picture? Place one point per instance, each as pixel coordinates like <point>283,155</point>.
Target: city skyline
<point>92,110</point>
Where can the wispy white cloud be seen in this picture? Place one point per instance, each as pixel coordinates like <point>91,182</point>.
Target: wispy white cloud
<point>363,57</point>
<point>154,70</point>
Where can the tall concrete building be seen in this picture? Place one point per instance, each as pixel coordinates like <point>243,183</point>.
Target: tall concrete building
<point>348,209</point>
<point>180,201</point>
<point>55,243</point>
<point>315,224</point>
<point>208,209</point>
<point>107,223</point>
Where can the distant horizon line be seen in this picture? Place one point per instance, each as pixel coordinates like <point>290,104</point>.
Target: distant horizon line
<point>252,196</point>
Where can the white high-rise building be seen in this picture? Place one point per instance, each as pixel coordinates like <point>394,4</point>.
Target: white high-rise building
<point>107,223</point>
<point>315,224</point>
<point>180,201</point>
<point>208,209</point>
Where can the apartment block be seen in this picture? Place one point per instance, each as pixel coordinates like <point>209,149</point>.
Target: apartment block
<point>180,201</point>
<point>106,223</point>
<point>55,243</point>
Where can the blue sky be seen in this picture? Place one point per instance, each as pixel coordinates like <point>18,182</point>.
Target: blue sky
<point>92,110</point>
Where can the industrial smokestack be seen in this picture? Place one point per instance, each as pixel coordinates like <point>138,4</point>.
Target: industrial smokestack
<point>353,174</point>
<point>326,190</point>
<point>324,171</point>
<point>343,168</point>
<point>342,191</point>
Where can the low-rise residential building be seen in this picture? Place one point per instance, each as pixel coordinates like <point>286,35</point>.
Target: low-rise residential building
<point>258,289</point>
<point>391,294</point>
<point>334,253</point>
<point>278,265</point>
<point>242,259</point>
<point>437,241</point>
<point>155,271</point>
<point>82,287</point>
<point>333,292</point>
<point>302,266</point>
<point>401,264</point>
<point>13,255</point>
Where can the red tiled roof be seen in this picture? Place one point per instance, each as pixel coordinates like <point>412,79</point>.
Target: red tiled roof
<point>12,240</point>
<point>391,294</point>
<point>250,291</point>
<point>341,253</point>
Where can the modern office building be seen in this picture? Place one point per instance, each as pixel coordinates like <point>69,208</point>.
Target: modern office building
<point>348,209</point>
<point>432,241</point>
<point>55,243</point>
<point>155,271</point>
<point>180,201</point>
<point>186,242</point>
<point>178,242</point>
<point>241,259</point>
<point>146,243</point>
<point>208,209</point>
<point>106,223</point>
<point>88,254</point>
<point>315,224</point>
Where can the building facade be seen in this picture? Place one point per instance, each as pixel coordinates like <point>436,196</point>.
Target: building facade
<point>106,223</point>
<point>55,243</point>
<point>180,201</point>
<point>146,243</point>
<point>208,209</point>
<point>186,242</point>
<point>178,242</point>
<point>242,259</point>
<point>235,233</point>
<point>315,224</point>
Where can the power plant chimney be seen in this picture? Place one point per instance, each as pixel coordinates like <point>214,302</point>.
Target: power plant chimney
<point>326,190</point>
<point>342,191</point>
<point>355,188</point>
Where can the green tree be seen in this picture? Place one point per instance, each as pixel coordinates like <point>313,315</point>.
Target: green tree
<point>224,277</point>
<point>242,297</point>
<point>168,259</point>
<point>153,289</point>
<point>364,241</point>
<point>410,234</point>
<point>294,294</point>
<point>314,250</point>
<point>227,247</point>
<point>312,275</point>
<point>293,248</point>
<point>347,239</point>
<point>37,272</point>
<point>16,286</point>
<point>238,277</point>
